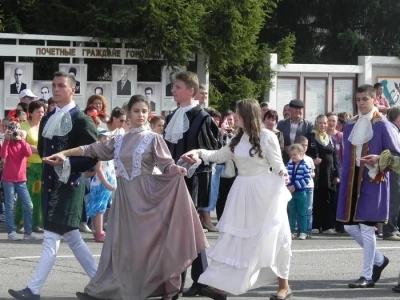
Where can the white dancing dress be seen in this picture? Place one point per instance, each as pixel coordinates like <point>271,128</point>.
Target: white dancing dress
<point>254,247</point>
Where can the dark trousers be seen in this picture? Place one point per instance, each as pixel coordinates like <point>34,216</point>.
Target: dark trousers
<point>339,225</point>
<point>391,228</point>
<point>324,209</point>
<point>225,185</point>
<point>199,265</point>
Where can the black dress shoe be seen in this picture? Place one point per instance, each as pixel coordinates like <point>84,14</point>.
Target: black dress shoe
<point>25,294</point>
<point>377,271</point>
<point>396,288</point>
<point>193,291</point>
<point>210,293</point>
<point>85,296</point>
<point>362,283</point>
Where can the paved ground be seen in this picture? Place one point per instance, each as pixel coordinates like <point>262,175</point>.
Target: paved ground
<point>321,269</point>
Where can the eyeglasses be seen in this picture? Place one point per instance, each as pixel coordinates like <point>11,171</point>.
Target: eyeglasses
<point>122,121</point>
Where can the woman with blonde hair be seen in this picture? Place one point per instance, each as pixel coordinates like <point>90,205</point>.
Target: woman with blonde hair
<point>254,247</point>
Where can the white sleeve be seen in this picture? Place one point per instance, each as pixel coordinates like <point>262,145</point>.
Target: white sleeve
<point>216,156</point>
<point>272,150</point>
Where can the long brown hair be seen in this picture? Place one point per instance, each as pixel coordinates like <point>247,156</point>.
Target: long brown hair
<point>249,111</point>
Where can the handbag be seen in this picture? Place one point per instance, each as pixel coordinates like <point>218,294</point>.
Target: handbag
<point>229,170</point>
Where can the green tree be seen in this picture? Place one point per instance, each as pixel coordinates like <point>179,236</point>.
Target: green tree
<point>225,31</point>
<point>336,31</point>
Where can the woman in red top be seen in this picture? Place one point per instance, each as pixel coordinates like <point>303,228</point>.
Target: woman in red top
<point>14,152</point>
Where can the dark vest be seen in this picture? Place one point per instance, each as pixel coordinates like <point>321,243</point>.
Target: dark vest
<point>197,117</point>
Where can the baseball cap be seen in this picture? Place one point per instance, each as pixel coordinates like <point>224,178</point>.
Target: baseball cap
<point>26,93</point>
<point>103,132</point>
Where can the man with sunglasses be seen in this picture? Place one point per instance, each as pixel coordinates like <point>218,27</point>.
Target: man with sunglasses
<point>18,85</point>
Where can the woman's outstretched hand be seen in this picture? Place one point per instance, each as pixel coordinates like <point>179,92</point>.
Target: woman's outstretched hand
<point>55,159</point>
<point>190,157</point>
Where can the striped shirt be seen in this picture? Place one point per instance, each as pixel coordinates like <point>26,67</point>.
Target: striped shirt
<point>299,177</point>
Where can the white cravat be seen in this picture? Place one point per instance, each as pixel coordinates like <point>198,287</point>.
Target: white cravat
<point>60,123</point>
<point>178,124</point>
<point>362,133</point>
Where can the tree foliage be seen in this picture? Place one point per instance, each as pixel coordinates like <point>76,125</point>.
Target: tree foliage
<point>225,31</point>
<point>336,31</point>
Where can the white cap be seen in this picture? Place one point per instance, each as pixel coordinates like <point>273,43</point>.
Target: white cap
<point>26,93</point>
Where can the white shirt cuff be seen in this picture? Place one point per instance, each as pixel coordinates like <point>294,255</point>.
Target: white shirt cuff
<point>373,170</point>
<point>63,171</point>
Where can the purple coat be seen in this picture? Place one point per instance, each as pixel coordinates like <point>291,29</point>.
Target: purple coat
<point>373,194</point>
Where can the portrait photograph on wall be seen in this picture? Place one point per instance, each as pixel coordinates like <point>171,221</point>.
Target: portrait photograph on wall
<point>152,92</point>
<point>79,71</point>
<point>391,88</point>
<point>17,77</point>
<point>124,80</point>
<point>315,96</point>
<point>42,89</point>
<point>167,80</point>
<point>100,88</point>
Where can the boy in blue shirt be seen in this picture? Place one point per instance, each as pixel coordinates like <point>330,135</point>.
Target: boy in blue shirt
<point>300,176</point>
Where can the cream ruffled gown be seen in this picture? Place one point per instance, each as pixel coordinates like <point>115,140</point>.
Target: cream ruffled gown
<point>254,246</point>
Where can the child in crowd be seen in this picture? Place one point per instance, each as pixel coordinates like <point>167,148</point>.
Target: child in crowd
<point>21,116</point>
<point>3,128</point>
<point>102,186</point>
<point>15,150</point>
<point>127,125</point>
<point>157,124</point>
<point>300,176</point>
<point>302,140</point>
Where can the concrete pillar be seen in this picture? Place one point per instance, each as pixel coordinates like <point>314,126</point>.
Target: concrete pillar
<point>202,70</point>
<point>366,77</point>
<point>271,95</point>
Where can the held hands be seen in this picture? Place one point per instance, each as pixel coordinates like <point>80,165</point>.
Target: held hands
<point>190,157</point>
<point>55,159</point>
<point>370,159</point>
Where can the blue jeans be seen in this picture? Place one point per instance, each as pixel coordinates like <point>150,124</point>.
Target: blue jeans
<point>310,197</point>
<point>10,188</point>
<point>215,178</point>
<point>297,208</point>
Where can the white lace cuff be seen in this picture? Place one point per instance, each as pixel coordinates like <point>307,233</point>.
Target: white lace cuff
<point>63,171</point>
<point>373,170</point>
<point>191,168</point>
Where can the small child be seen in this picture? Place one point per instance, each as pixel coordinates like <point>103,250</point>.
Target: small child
<point>300,176</point>
<point>15,150</point>
<point>101,188</point>
<point>302,140</point>
<point>157,124</point>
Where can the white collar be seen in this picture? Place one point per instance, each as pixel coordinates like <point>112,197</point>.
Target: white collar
<point>188,107</point>
<point>67,107</point>
<point>368,115</point>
